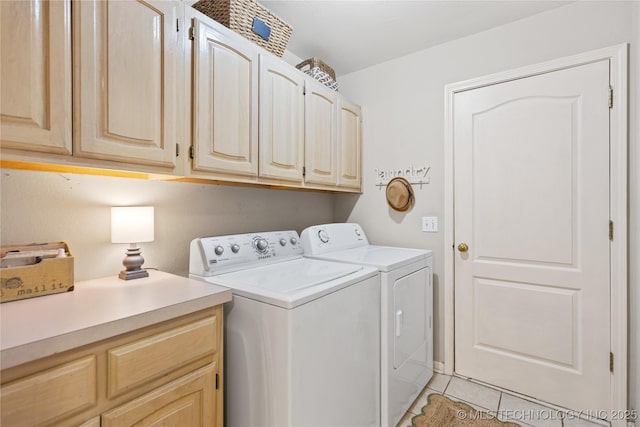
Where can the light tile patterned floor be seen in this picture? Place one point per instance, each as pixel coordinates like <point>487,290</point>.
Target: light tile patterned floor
<point>506,406</point>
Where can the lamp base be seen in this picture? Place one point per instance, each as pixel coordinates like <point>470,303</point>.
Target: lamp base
<point>133,263</point>
<point>129,275</point>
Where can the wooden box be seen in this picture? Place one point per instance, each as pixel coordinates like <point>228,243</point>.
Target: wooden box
<point>49,275</point>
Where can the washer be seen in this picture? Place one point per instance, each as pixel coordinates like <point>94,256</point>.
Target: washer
<point>302,336</point>
<point>406,308</point>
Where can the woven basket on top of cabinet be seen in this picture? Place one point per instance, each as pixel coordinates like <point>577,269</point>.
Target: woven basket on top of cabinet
<point>245,17</point>
<point>319,71</point>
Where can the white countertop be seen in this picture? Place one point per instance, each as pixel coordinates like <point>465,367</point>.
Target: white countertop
<point>95,310</point>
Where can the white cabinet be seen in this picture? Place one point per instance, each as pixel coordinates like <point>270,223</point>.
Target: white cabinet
<point>320,134</point>
<point>281,120</point>
<point>35,75</point>
<point>349,144</point>
<point>125,64</point>
<point>225,103</point>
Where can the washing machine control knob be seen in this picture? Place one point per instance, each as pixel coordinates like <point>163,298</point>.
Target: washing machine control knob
<point>219,250</point>
<point>262,245</point>
<point>358,233</point>
<point>323,236</point>
<point>235,248</point>
<point>294,241</point>
<point>283,242</point>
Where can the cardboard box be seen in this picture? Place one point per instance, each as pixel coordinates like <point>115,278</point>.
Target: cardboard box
<point>49,275</point>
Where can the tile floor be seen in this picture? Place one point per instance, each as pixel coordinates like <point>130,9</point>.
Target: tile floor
<point>507,406</point>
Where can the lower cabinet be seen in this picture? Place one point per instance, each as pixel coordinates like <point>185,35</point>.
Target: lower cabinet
<point>188,401</point>
<point>93,422</point>
<point>47,395</point>
<point>165,374</point>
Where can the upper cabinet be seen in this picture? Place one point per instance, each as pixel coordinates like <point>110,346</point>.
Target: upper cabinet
<point>349,144</point>
<point>320,134</point>
<point>281,120</point>
<point>137,84</point>
<point>35,75</point>
<point>225,103</point>
<point>125,63</point>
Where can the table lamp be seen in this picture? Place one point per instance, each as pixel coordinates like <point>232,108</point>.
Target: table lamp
<point>133,225</point>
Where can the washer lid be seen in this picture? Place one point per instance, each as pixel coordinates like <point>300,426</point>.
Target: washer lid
<point>292,283</point>
<point>384,258</point>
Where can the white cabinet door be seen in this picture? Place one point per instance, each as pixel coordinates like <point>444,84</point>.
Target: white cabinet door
<point>320,134</point>
<point>125,55</point>
<point>349,144</point>
<point>281,120</point>
<point>35,75</point>
<point>225,103</point>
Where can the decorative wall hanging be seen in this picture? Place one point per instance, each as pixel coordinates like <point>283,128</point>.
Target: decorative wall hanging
<point>414,176</point>
<point>400,194</point>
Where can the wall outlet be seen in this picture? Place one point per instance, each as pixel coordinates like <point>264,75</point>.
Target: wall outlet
<point>430,224</point>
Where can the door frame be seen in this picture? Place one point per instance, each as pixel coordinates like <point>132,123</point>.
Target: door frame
<point>618,203</point>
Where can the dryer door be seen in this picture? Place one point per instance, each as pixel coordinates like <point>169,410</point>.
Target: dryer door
<point>410,318</point>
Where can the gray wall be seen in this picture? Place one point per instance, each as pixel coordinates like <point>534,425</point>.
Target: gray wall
<point>45,206</point>
<point>403,109</point>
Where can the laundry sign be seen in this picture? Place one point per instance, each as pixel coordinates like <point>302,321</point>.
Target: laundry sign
<point>415,175</point>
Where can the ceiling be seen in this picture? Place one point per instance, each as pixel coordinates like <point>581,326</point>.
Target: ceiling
<point>350,35</point>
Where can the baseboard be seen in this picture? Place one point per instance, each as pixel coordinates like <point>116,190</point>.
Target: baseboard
<point>438,367</point>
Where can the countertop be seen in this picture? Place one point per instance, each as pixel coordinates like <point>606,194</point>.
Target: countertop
<point>95,310</point>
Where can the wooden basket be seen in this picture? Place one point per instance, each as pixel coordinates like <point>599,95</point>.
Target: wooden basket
<point>46,276</point>
<point>319,71</point>
<point>251,20</point>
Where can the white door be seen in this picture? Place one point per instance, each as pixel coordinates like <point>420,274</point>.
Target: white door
<point>532,205</point>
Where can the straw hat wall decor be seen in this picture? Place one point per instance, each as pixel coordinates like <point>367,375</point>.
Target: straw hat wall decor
<point>400,194</point>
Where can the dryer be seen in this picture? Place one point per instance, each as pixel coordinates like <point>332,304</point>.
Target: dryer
<point>302,336</point>
<point>406,308</point>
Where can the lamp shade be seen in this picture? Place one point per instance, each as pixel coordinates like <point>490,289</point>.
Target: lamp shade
<point>132,224</point>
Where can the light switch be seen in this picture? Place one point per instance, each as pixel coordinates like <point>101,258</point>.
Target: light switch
<point>430,224</point>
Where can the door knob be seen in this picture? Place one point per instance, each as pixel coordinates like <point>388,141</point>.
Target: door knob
<point>463,247</point>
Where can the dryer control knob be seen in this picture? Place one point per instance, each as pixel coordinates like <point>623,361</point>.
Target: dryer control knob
<point>358,233</point>
<point>294,241</point>
<point>219,250</point>
<point>323,236</point>
<point>262,245</point>
<point>235,248</point>
<point>283,242</point>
